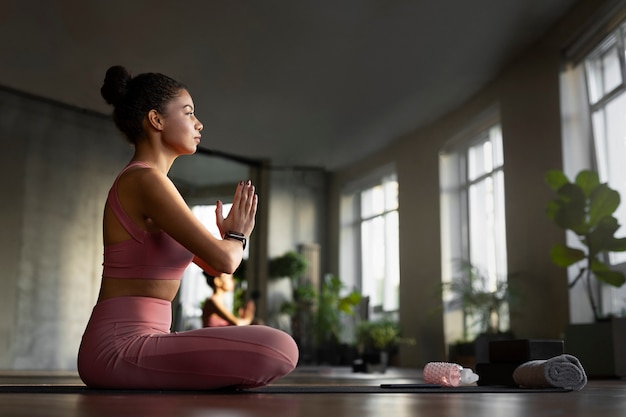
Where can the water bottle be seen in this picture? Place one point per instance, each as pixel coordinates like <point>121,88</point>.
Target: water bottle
<point>448,374</point>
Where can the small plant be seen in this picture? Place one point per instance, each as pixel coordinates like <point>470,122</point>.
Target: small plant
<point>585,207</point>
<point>481,301</point>
<point>291,265</point>
<point>304,299</point>
<point>381,335</point>
<point>330,307</point>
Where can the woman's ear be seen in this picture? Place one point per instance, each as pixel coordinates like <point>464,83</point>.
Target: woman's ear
<point>154,118</point>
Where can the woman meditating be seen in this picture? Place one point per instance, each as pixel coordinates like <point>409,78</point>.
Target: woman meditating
<point>150,237</point>
<point>214,311</point>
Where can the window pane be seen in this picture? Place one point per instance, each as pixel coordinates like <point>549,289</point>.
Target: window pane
<point>481,218</point>
<point>594,79</point>
<point>603,70</point>
<point>480,160</point>
<point>611,69</point>
<point>610,133</point>
<point>599,133</point>
<point>487,227</point>
<point>392,264</point>
<point>373,259</point>
<point>391,195</point>
<point>372,202</point>
<point>495,136</point>
<point>369,242</point>
<point>501,267</point>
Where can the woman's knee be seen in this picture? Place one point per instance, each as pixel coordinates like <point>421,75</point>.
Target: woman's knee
<point>279,341</point>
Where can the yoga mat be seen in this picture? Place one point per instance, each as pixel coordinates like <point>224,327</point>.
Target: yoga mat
<point>411,389</point>
<point>288,389</point>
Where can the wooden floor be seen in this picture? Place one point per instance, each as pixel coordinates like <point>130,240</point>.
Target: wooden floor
<point>602,398</point>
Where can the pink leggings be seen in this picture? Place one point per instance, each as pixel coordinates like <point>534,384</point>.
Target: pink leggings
<point>128,345</point>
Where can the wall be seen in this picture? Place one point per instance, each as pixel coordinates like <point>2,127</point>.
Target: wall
<point>527,95</point>
<point>296,207</point>
<point>56,166</point>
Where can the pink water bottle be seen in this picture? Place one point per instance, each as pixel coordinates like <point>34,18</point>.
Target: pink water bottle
<point>448,374</point>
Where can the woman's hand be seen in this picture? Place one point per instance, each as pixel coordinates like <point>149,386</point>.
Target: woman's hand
<point>241,218</point>
<point>248,312</point>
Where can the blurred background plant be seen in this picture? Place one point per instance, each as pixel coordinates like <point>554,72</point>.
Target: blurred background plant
<point>585,208</point>
<point>484,300</point>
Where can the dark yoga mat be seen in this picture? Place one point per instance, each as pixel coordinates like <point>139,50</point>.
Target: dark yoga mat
<point>287,389</point>
<point>397,389</point>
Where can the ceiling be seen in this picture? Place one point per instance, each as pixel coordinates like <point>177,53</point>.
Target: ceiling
<point>297,82</point>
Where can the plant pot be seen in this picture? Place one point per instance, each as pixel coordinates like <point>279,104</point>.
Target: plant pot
<point>372,362</point>
<point>599,346</point>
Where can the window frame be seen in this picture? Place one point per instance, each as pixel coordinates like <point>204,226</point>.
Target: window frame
<point>350,233</point>
<point>615,38</point>
<point>456,239</point>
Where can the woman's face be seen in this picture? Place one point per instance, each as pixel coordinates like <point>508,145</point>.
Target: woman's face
<point>180,127</point>
<point>227,282</point>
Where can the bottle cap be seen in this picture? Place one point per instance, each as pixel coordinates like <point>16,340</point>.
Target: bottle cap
<point>468,376</point>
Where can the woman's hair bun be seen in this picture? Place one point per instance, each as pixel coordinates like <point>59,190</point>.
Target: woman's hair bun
<point>115,85</point>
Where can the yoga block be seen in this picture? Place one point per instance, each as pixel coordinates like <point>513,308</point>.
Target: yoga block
<point>496,374</point>
<point>523,350</point>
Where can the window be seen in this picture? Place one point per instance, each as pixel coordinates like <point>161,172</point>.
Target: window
<point>369,240</point>
<point>605,74</point>
<point>472,216</point>
<point>594,132</point>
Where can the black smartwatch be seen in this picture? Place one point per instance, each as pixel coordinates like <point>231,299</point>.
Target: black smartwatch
<point>237,236</point>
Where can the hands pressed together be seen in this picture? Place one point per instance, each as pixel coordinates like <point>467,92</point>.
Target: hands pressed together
<point>248,311</point>
<point>241,218</point>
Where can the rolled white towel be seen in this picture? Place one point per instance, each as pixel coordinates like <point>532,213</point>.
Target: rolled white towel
<point>563,371</point>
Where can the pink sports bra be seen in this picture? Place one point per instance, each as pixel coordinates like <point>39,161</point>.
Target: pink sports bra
<point>216,321</point>
<point>148,255</point>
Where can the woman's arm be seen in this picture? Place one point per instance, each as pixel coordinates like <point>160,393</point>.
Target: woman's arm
<point>206,267</point>
<point>158,199</point>
<point>215,306</point>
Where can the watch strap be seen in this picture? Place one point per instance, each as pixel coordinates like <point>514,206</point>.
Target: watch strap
<point>237,236</point>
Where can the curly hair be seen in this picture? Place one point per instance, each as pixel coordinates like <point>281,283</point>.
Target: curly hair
<point>133,97</point>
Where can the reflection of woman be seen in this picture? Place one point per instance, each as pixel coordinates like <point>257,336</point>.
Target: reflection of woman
<point>215,313</point>
<point>150,237</point>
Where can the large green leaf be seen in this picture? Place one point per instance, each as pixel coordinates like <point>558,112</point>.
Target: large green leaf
<point>601,238</point>
<point>347,303</point>
<point>618,245</point>
<point>603,273</point>
<point>555,179</point>
<point>570,211</point>
<point>603,201</point>
<point>588,181</point>
<point>552,209</point>
<point>565,256</point>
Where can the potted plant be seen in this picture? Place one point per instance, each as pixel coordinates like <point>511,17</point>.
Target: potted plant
<point>483,305</point>
<point>284,274</point>
<point>376,340</point>
<point>301,309</point>
<point>290,264</point>
<point>331,305</point>
<point>585,207</point>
